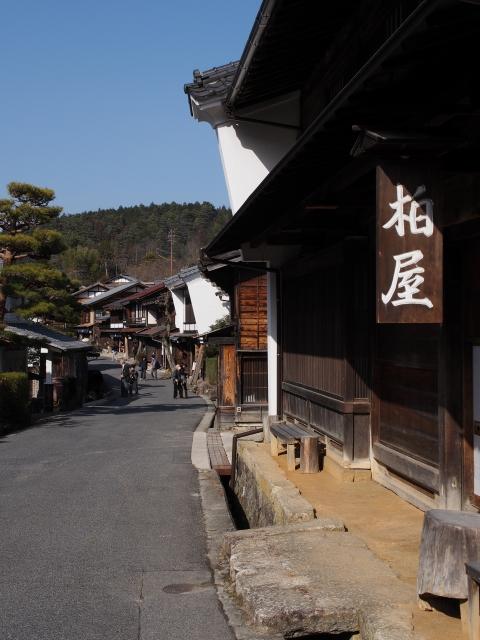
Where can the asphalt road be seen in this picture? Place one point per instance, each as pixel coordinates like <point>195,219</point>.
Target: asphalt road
<point>101,533</point>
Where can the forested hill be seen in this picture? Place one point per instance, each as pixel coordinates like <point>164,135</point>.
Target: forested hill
<point>136,240</point>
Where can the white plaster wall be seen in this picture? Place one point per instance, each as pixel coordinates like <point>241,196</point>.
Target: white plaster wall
<point>249,151</point>
<point>207,306</point>
<point>272,344</point>
<point>151,320</point>
<point>179,304</point>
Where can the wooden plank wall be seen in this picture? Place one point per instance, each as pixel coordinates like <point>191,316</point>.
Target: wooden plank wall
<point>406,375</point>
<point>313,331</point>
<point>326,347</point>
<point>252,312</point>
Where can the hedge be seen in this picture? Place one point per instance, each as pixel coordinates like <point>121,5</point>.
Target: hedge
<point>14,399</point>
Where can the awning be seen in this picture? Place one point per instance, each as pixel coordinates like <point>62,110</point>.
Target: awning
<point>153,332</point>
<point>37,332</point>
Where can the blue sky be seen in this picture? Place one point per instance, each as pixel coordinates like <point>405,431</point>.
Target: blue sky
<point>92,97</point>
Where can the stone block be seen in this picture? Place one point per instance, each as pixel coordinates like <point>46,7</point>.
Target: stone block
<point>264,492</point>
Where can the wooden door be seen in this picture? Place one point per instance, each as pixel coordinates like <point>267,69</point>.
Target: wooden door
<point>228,375</point>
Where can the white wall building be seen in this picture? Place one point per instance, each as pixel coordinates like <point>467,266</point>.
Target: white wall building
<point>198,303</point>
<point>252,141</point>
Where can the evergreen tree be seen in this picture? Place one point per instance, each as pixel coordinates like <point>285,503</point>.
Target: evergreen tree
<point>136,239</point>
<point>25,249</point>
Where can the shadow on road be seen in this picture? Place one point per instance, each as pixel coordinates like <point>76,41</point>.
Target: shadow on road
<point>114,407</point>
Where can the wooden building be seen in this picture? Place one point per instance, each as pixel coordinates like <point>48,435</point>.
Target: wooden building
<point>242,389</point>
<point>101,319</point>
<point>57,364</point>
<point>370,228</point>
<point>145,318</point>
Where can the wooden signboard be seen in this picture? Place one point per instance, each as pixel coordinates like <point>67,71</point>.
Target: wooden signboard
<point>409,246</point>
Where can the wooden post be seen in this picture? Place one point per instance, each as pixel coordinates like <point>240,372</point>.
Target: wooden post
<point>266,429</point>
<point>473,610</point>
<point>168,352</point>
<point>309,454</point>
<point>198,364</point>
<point>273,445</point>
<point>291,456</point>
<point>472,620</point>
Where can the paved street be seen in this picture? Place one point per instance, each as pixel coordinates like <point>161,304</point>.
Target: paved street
<point>101,525</point>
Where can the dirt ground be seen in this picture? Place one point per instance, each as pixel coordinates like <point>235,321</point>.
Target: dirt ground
<point>391,528</point>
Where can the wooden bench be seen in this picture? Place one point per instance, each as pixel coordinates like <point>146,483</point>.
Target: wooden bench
<point>217,454</point>
<point>291,435</point>
<point>473,624</point>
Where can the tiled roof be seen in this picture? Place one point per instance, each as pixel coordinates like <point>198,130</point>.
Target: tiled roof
<point>90,286</point>
<point>146,293</point>
<point>108,294</point>
<point>211,84</point>
<point>37,331</point>
<point>153,331</point>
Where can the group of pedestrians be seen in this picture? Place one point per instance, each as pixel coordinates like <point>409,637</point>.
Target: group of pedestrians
<point>129,376</point>
<point>155,366</point>
<point>180,381</point>
<point>129,380</point>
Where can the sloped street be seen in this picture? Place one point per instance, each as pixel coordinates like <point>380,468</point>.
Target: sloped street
<point>101,525</point>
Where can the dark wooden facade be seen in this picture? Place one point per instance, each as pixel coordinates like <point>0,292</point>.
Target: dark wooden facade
<point>326,372</point>
<point>398,392</point>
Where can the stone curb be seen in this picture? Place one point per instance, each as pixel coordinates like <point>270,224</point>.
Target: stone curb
<point>218,522</point>
<point>199,453</point>
<point>267,496</point>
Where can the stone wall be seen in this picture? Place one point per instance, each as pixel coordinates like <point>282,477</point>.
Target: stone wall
<point>264,492</point>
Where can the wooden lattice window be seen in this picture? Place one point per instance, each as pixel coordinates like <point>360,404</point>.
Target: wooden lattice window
<point>254,379</point>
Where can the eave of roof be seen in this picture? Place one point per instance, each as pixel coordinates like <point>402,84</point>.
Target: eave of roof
<point>146,293</point>
<point>301,170</point>
<point>287,40</point>
<point>211,84</point>
<point>108,294</point>
<point>178,279</point>
<point>40,333</point>
<point>160,330</point>
<point>89,287</point>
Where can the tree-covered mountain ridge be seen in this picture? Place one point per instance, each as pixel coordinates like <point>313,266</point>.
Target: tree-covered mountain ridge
<point>136,239</point>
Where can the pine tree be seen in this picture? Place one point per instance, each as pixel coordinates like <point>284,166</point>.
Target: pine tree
<point>25,249</point>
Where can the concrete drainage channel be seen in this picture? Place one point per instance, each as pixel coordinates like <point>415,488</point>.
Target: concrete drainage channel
<point>221,530</point>
<point>292,574</point>
<point>226,525</point>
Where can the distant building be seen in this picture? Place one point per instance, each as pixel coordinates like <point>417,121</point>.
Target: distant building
<point>198,305</point>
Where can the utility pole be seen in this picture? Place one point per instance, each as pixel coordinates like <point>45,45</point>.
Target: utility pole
<point>171,238</point>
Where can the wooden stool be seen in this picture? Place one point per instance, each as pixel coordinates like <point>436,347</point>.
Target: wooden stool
<point>449,540</point>
<point>473,620</point>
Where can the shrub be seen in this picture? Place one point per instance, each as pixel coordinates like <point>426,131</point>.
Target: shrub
<point>14,399</point>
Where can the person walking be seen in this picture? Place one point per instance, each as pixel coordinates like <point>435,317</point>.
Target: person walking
<point>143,368</point>
<point>155,365</point>
<point>183,380</point>
<point>124,379</point>
<point>133,381</point>
<point>177,382</point>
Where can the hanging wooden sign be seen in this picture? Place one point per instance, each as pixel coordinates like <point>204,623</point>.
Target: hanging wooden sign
<point>409,246</point>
